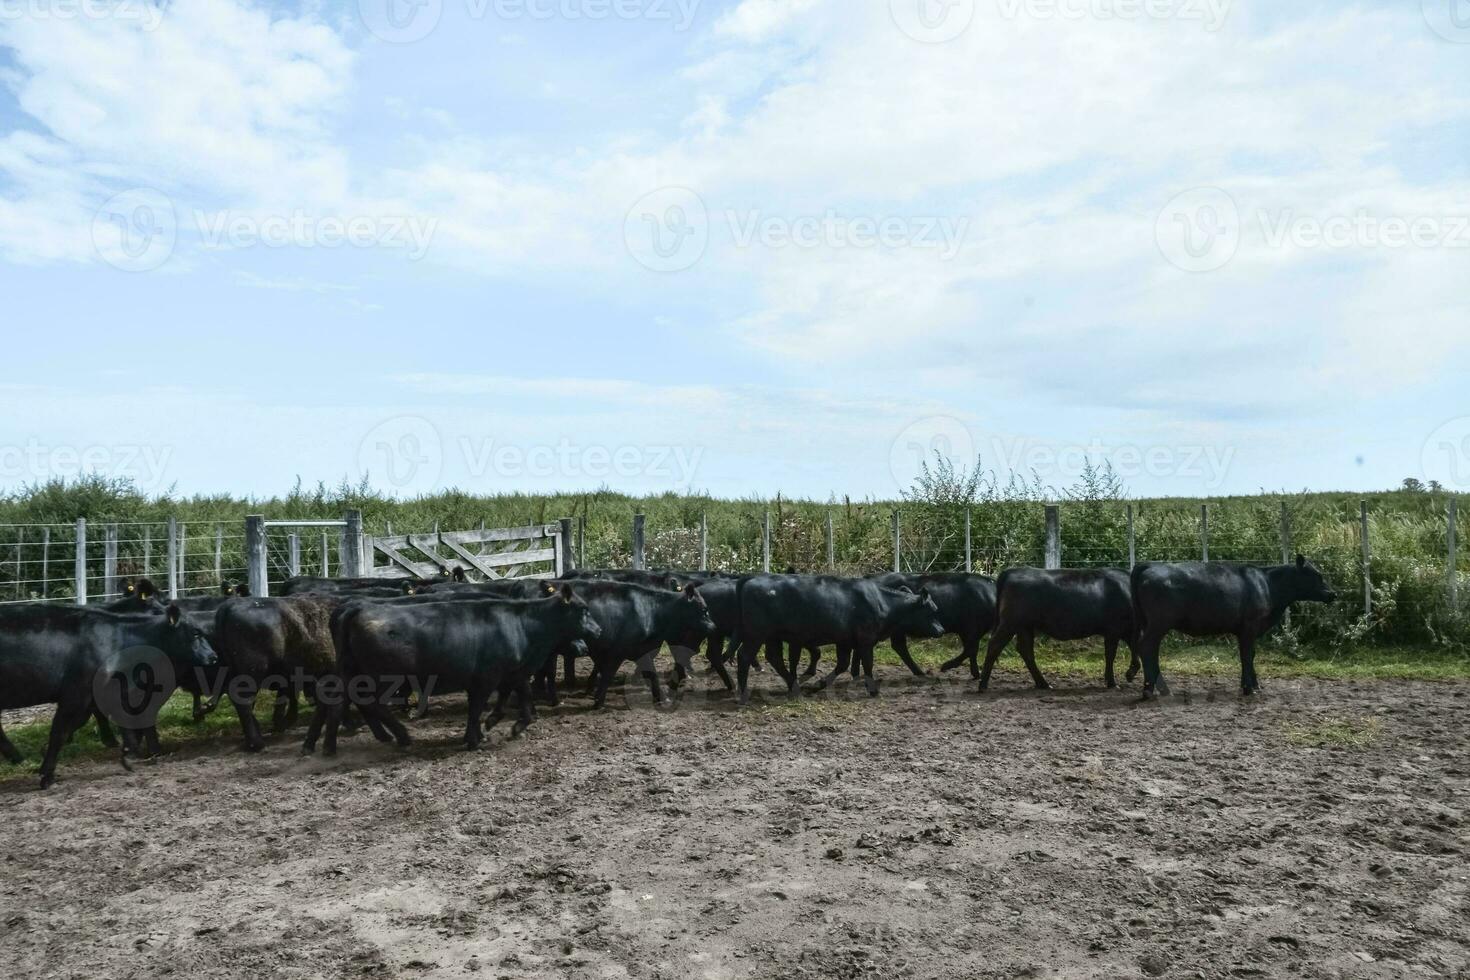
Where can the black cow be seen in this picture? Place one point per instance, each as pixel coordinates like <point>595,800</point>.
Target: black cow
<point>966,604</point>
<point>268,643</point>
<point>1064,604</point>
<point>1215,598</point>
<point>483,646</point>
<point>57,654</point>
<point>636,622</point>
<point>402,585</point>
<point>814,610</point>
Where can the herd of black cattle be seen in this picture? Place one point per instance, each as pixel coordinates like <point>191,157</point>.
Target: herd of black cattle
<point>365,646</point>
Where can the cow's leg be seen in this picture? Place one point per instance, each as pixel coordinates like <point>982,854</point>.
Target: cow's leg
<point>293,707</point>
<point>569,667</point>
<point>71,713</point>
<point>477,699</point>
<point>547,678</point>
<point>10,752</point>
<point>844,658</point>
<point>717,663</point>
<point>1248,683</point>
<point>1110,653</point>
<point>150,739</point>
<point>498,711</point>
<point>1026,645</point>
<point>605,670</point>
<point>649,669</point>
<point>864,656</point>
<point>314,729</point>
<point>245,707</point>
<point>524,721</point>
<point>104,730</point>
<point>900,644</point>
<point>744,660</point>
<point>776,657</point>
<point>1134,663</point>
<point>1153,679</point>
<point>811,668</point>
<point>282,708</point>
<point>998,641</point>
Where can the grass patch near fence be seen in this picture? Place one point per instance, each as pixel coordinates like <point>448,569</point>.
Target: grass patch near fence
<point>1211,660</point>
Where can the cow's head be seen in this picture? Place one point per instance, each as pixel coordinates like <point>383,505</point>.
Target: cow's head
<point>692,616</point>
<point>458,575</point>
<point>582,624</point>
<point>918,615</point>
<point>184,643</point>
<point>1309,584</point>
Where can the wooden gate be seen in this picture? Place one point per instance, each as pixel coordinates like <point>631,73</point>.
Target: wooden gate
<point>537,551</point>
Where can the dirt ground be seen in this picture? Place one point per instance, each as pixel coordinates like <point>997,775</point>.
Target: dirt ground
<point>1318,830</point>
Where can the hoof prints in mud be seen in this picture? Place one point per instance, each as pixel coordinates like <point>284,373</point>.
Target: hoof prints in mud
<point>1319,830</point>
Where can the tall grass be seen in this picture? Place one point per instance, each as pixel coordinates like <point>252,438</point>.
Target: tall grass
<point>1407,528</point>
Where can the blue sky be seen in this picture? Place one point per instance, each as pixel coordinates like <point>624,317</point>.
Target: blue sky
<point>744,246</point>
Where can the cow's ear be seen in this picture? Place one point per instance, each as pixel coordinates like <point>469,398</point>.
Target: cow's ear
<point>566,592</point>
<point>1301,561</point>
<point>924,594</point>
<point>174,615</point>
<point>129,588</point>
<point>550,587</point>
<point>690,592</point>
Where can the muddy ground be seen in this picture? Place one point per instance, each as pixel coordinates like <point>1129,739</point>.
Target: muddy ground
<point>1318,830</point>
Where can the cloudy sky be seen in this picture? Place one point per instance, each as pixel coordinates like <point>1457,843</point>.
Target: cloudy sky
<point>746,246</point>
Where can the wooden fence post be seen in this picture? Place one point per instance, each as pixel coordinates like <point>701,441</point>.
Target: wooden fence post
<point>1132,541</point>
<point>255,556</point>
<point>293,553</point>
<point>1204,532</point>
<point>566,561</point>
<point>969,556</point>
<point>1053,536</point>
<point>831,546</point>
<point>81,561</point>
<point>352,563</point>
<point>109,562</point>
<point>703,542</point>
<point>173,558</point>
<point>766,542</point>
<point>638,540</point>
<point>1453,546</point>
<point>1367,559</point>
<point>897,544</point>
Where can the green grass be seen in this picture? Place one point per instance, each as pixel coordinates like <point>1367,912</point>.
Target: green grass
<point>1211,660</point>
<point>1349,733</point>
<point>175,726</point>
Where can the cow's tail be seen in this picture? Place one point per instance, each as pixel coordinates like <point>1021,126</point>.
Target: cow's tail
<point>1000,587</point>
<point>732,645</point>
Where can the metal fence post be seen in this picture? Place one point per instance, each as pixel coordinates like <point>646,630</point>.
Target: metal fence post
<point>582,541</point>
<point>173,558</point>
<point>831,546</point>
<point>219,555</point>
<point>255,567</point>
<point>1453,546</point>
<point>1367,559</point>
<point>566,561</point>
<point>1053,536</point>
<point>897,544</point>
<point>1132,541</point>
<point>703,542</point>
<point>352,563</point>
<point>293,553</point>
<point>766,542</point>
<point>1204,532</point>
<point>147,552</point>
<point>969,557</point>
<point>183,557</point>
<point>45,562</point>
<point>1285,534</point>
<point>326,557</point>
<point>638,540</point>
<point>109,562</point>
<point>81,561</point>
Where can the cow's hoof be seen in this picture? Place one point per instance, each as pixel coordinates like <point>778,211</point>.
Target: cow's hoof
<point>308,750</point>
<point>47,781</point>
<point>253,748</point>
<point>405,742</point>
<point>127,763</point>
<point>1043,686</point>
